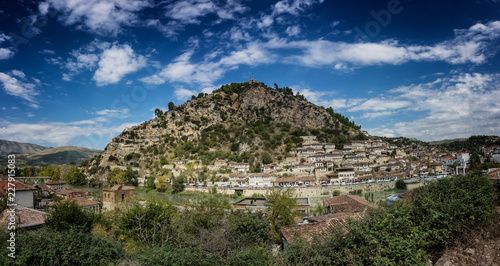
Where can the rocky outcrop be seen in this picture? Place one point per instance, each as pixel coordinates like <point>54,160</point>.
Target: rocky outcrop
<point>255,117</point>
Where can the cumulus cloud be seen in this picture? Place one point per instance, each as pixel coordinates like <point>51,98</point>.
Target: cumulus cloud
<point>6,53</point>
<point>459,106</point>
<point>111,62</point>
<point>99,16</point>
<point>115,63</point>
<point>19,87</point>
<point>182,69</point>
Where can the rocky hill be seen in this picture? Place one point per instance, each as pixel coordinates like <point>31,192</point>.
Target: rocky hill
<point>11,147</point>
<point>241,122</point>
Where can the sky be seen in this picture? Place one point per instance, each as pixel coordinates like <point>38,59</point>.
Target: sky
<point>78,72</point>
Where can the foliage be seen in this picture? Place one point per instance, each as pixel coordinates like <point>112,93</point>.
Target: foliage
<point>266,158</point>
<point>158,112</point>
<point>127,177</point>
<point>49,247</point>
<point>178,185</point>
<point>171,106</point>
<point>150,182</point>
<point>149,225</point>
<point>53,171</point>
<point>400,183</point>
<point>281,208</point>
<point>67,215</point>
<point>74,177</point>
<point>407,233</point>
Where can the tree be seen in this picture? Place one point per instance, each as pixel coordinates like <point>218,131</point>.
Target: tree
<point>67,215</point>
<point>150,182</point>
<point>171,106</point>
<point>281,208</point>
<point>158,112</point>
<point>178,185</point>
<point>74,177</point>
<point>131,177</point>
<point>266,158</point>
<point>150,224</point>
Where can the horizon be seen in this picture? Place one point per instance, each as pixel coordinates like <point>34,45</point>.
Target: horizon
<point>79,73</point>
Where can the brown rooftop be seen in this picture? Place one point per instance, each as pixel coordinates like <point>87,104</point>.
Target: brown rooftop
<point>348,203</point>
<point>25,218</point>
<point>320,230</point>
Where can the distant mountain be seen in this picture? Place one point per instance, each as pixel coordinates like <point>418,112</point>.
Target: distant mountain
<point>57,156</point>
<point>446,141</point>
<point>11,147</point>
<point>247,122</point>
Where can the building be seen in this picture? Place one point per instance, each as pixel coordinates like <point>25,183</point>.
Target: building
<point>23,192</point>
<point>317,228</point>
<point>84,203</point>
<point>348,204</point>
<point>261,180</point>
<point>240,167</point>
<point>259,204</point>
<point>56,184</point>
<point>116,194</point>
<point>71,193</point>
<point>25,219</point>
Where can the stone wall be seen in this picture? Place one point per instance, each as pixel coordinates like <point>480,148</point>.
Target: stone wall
<point>305,192</point>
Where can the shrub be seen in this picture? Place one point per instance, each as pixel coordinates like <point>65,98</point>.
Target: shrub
<point>408,233</point>
<point>400,183</point>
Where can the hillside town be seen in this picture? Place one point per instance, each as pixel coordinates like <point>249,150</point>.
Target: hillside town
<point>362,161</point>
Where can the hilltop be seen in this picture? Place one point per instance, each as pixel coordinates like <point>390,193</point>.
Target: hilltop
<point>245,122</point>
<point>56,156</point>
<point>12,147</point>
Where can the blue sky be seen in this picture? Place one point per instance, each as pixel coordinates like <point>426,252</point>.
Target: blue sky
<point>78,72</point>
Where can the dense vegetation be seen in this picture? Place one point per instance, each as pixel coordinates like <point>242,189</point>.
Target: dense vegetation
<point>160,233</point>
<point>409,233</point>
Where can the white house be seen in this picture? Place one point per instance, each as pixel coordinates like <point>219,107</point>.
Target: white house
<point>240,167</point>
<point>260,180</point>
<point>23,192</point>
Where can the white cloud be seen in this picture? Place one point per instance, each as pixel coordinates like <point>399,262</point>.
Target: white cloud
<point>18,73</point>
<point>380,104</point>
<point>87,133</point>
<point>459,106</point>
<point>471,45</point>
<point>113,113</point>
<point>47,51</point>
<point>154,79</point>
<point>293,30</point>
<point>115,63</point>
<point>190,11</point>
<point>293,7</point>
<point>6,53</point>
<point>182,94</point>
<point>19,88</point>
<point>205,72</point>
<point>181,13</point>
<point>98,16</point>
